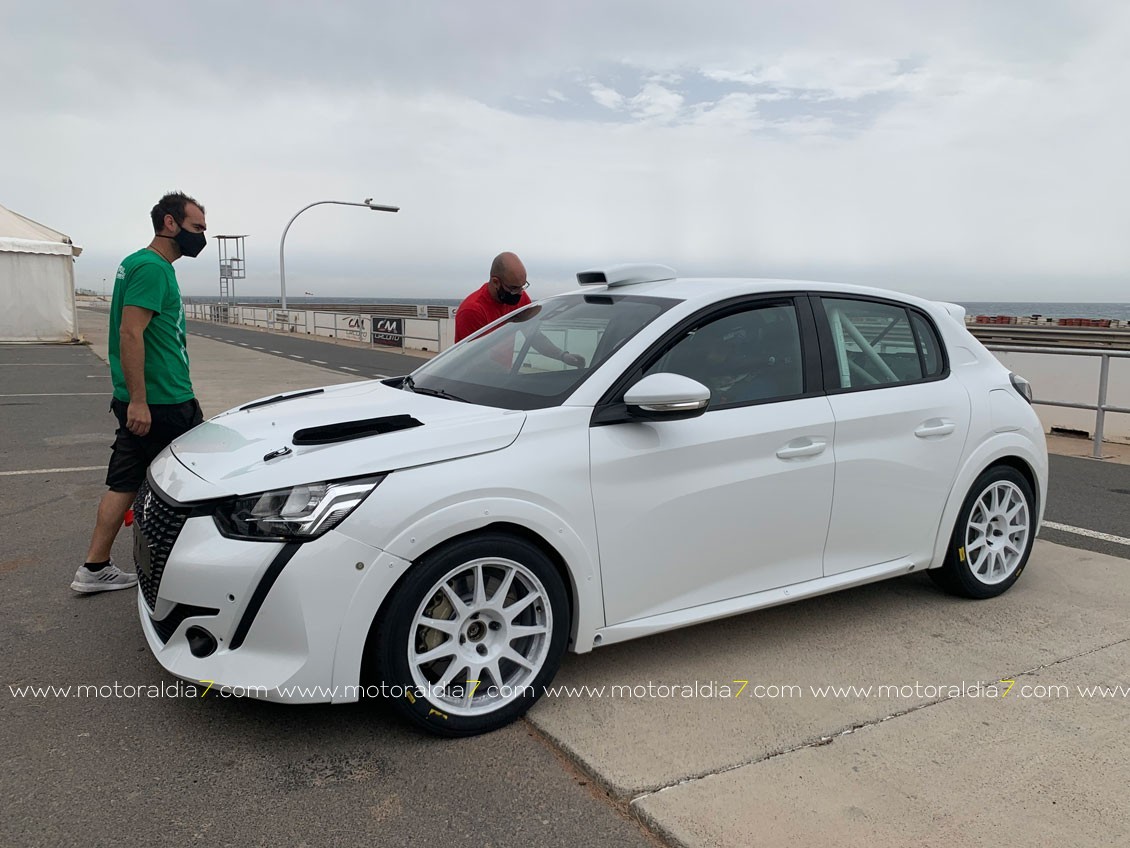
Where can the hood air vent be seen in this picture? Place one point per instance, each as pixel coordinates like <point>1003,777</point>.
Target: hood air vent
<point>347,430</point>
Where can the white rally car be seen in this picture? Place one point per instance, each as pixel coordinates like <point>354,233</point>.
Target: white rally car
<point>726,445</point>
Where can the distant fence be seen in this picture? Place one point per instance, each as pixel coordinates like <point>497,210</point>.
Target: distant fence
<point>396,327</point>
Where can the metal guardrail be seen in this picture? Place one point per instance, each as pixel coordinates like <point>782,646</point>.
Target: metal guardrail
<point>1101,407</point>
<point>372,327</point>
<point>1047,335</point>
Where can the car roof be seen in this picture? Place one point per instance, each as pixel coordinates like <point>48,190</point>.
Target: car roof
<point>709,289</point>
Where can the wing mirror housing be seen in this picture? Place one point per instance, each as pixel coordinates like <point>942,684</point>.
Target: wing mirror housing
<point>667,397</point>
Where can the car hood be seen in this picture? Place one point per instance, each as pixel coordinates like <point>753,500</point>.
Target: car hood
<point>327,434</point>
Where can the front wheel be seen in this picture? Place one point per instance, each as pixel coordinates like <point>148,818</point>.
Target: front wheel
<point>473,634</point>
<point>992,538</point>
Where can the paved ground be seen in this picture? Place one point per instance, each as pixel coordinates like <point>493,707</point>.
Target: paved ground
<point>945,755</point>
<point>142,761</point>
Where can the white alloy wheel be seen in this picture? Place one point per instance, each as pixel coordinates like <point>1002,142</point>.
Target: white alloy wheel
<point>997,532</point>
<point>470,637</point>
<point>481,636</point>
<point>992,537</point>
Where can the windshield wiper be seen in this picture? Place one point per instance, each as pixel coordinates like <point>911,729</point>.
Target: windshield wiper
<point>436,393</point>
<point>409,384</point>
<point>278,398</point>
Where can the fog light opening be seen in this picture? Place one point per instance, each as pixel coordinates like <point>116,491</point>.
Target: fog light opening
<point>200,642</point>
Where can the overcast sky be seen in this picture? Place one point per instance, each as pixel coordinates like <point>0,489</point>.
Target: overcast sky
<point>968,149</point>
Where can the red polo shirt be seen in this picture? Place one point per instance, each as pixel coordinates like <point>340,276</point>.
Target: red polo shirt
<point>479,308</point>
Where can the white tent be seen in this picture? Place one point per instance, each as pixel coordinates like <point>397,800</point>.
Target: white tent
<point>37,282</point>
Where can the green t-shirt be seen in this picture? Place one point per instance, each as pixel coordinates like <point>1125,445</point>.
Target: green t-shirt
<point>147,279</point>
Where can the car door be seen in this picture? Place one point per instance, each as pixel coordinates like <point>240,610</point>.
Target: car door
<point>901,423</point>
<point>734,501</point>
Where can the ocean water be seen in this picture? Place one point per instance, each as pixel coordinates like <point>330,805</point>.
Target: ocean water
<point>1114,311</point>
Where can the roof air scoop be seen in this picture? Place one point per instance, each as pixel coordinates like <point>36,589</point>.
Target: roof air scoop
<point>625,275</point>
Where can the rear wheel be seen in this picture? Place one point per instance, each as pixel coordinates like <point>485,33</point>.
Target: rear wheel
<point>473,634</point>
<point>992,538</point>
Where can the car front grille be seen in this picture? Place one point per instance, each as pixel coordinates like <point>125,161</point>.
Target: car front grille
<point>161,523</point>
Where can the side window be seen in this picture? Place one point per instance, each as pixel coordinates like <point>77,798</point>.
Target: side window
<point>929,345</point>
<point>880,343</point>
<point>744,357</point>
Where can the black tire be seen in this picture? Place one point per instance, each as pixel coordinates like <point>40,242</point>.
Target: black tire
<point>992,538</point>
<point>475,637</point>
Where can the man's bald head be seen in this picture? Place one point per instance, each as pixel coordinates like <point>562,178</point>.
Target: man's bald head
<point>507,277</point>
<point>509,269</point>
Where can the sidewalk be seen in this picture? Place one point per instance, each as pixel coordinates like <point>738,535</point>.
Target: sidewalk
<point>944,755</point>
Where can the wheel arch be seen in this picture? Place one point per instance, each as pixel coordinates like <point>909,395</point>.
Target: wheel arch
<point>1027,472</point>
<point>505,527</point>
<point>1008,450</point>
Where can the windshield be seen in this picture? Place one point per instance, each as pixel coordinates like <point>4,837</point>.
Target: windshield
<point>518,364</point>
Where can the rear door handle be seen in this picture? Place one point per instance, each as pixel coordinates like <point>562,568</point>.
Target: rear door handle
<point>802,447</point>
<point>934,427</point>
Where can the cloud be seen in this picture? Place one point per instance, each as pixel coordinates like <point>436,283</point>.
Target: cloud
<point>943,148</point>
<point>605,96</point>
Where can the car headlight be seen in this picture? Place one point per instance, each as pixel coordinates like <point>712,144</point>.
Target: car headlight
<point>297,514</point>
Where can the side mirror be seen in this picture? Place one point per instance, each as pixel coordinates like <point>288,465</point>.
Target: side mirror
<point>667,397</point>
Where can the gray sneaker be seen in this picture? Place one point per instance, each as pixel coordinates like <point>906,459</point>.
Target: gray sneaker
<point>105,580</point>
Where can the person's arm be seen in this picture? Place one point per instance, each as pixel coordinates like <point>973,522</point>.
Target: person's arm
<point>132,349</point>
<point>545,347</point>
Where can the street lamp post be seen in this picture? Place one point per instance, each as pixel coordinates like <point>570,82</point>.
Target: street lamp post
<point>368,203</point>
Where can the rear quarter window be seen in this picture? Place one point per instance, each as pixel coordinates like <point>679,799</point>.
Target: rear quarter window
<point>877,343</point>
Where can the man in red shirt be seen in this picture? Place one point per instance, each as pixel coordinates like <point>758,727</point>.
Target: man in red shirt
<point>504,292</point>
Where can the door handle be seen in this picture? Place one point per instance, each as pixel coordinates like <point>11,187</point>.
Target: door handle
<point>802,447</point>
<point>934,427</point>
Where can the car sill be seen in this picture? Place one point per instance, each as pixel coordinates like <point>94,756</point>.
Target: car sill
<point>748,603</point>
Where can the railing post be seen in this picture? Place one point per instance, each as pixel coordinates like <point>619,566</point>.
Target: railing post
<point>1100,413</point>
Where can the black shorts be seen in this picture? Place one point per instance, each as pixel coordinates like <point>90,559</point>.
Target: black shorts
<point>132,454</point>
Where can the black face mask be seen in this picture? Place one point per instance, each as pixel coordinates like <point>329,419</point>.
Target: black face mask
<point>508,297</point>
<point>190,244</point>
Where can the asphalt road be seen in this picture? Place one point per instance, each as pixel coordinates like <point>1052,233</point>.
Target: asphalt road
<point>1090,494</point>
<point>349,359</point>
<point>141,761</point>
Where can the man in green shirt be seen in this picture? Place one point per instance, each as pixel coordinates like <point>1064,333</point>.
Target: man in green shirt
<point>153,398</point>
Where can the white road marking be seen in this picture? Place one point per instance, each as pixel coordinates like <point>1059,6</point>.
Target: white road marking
<point>53,470</point>
<point>319,361</point>
<point>295,356</point>
<point>258,348</point>
<point>1082,531</point>
<point>279,352</point>
<point>347,368</point>
<point>244,344</point>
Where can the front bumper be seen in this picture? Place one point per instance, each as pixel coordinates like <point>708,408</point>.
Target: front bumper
<point>301,634</point>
